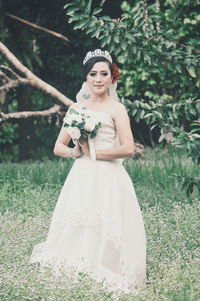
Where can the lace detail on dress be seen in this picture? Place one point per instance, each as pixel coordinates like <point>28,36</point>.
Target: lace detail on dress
<point>111,233</point>
<point>88,218</point>
<point>126,282</point>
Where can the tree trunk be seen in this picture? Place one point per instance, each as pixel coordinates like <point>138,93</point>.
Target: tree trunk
<point>26,130</point>
<point>3,97</point>
<point>1,16</point>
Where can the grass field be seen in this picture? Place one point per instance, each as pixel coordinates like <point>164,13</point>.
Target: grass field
<point>28,194</point>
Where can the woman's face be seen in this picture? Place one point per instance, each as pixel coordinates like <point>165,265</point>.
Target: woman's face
<point>99,78</point>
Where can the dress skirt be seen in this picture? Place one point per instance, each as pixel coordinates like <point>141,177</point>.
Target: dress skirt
<point>97,226</point>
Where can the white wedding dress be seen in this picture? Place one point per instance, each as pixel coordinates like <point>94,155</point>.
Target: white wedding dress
<point>97,225</point>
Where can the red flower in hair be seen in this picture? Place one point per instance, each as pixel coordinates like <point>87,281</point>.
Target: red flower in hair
<point>116,74</point>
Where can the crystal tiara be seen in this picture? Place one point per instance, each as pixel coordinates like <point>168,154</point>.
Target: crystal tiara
<point>97,53</point>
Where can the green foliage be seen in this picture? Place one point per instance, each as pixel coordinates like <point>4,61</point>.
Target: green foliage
<point>7,134</point>
<point>135,33</point>
<point>189,184</point>
<point>159,50</point>
<point>42,180</point>
<point>174,71</point>
<point>163,112</point>
<point>25,186</point>
<point>170,118</point>
<point>189,142</point>
<point>55,61</point>
<point>157,63</point>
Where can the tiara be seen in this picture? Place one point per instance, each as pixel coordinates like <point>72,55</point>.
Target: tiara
<point>97,53</point>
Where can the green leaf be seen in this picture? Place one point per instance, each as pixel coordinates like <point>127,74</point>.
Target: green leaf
<point>137,116</point>
<point>123,45</point>
<point>146,106</point>
<point>106,40</point>
<point>70,12</point>
<point>97,10</point>
<point>74,18</point>
<point>97,33</point>
<point>133,112</point>
<point>136,103</point>
<point>138,54</point>
<point>178,68</point>
<point>130,36</point>
<point>142,113</point>
<point>134,49</point>
<point>88,6</point>
<point>90,29</point>
<point>153,126</point>
<point>148,115</point>
<point>158,114</point>
<point>67,5</point>
<point>116,38</point>
<point>147,59</point>
<point>80,24</point>
<point>161,137</point>
<point>191,71</point>
<point>106,18</point>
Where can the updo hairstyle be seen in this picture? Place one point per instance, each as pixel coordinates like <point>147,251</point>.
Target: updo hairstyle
<point>90,63</point>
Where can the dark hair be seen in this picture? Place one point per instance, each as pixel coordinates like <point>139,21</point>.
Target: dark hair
<point>90,63</point>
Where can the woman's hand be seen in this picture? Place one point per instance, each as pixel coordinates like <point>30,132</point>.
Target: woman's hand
<point>83,144</point>
<point>77,151</point>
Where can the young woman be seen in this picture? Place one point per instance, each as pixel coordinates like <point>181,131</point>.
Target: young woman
<point>97,226</point>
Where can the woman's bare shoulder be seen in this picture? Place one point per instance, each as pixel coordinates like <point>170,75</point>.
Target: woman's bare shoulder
<point>76,105</point>
<point>119,108</point>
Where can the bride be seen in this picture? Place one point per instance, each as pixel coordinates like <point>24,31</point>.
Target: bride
<point>97,225</point>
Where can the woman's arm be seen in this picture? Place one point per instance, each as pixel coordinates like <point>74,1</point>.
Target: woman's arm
<point>126,147</point>
<point>61,149</point>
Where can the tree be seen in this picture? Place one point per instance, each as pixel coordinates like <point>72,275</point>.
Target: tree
<point>40,54</point>
<point>158,46</point>
<point>155,42</point>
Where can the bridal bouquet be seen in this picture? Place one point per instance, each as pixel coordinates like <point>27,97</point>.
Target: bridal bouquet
<point>81,124</point>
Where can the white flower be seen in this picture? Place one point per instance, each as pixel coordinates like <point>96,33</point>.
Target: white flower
<point>74,132</point>
<point>69,118</point>
<point>90,124</point>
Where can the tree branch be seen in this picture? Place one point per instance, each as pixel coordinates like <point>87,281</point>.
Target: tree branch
<point>102,2</point>
<point>27,114</point>
<point>9,85</point>
<point>4,76</point>
<point>31,79</point>
<point>57,35</point>
<point>10,70</point>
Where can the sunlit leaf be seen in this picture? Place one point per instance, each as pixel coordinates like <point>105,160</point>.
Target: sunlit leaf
<point>191,71</point>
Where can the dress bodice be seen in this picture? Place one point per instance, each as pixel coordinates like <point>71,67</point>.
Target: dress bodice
<point>106,136</point>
